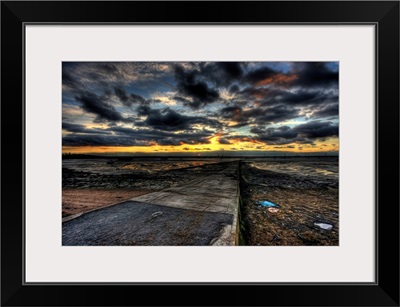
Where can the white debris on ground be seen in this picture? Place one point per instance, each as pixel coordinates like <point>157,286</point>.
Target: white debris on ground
<point>155,214</point>
<point>324,226</point>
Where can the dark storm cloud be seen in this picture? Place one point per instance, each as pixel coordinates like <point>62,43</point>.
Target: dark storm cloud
<point>232,70</point>
<point>259,74</point>
<point>97,105</point>
<point>314,74</point>
<point>68,80</point>
<point>222,74</point>
<point>330,110</point>
<point>276,114</point>
<point>317,129</point>
<point>171,120</point>
<point>234,88</point>
<point>302,134</point>
<point>237,114</point>
<point>224,141</point>
<point>251,93</point>
<point>240,124</point>
<point>188,85</point>
<point>182,99</point>
<point>275,105</point>
<point>128,99</point>
<point>138,99</point>
<point>123,96</point>
<point>125,136</point>
<point>298,97</point>
<point>257,130</point>
<point>231,112</point>
<point>76,128</point>
<point>109,68</point>
<point>261,115</point>
<point>101,140</point>
<point>277,135</point>
<point>310,87</point>
<point>157,135</point>
<point>77,75</point>
<point>84,75</point>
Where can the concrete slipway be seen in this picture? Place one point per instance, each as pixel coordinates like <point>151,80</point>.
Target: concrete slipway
<point>203,211</point>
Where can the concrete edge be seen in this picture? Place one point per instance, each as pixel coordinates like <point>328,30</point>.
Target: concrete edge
<point>235,224</point>
<point>230,234</point>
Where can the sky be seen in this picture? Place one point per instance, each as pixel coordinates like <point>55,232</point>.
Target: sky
<point>200,107</point>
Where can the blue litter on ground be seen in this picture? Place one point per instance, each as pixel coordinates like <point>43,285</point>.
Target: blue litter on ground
<point>266,203</point>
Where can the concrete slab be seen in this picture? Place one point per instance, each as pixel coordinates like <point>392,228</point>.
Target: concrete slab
<point>134,223</point>
<point>214,193</point>
<point>201,212</point>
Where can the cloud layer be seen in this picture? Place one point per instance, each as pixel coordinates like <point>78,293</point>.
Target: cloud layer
<point>190,103</point>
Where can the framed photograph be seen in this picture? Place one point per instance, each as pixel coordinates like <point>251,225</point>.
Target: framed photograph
<point>239,147</point>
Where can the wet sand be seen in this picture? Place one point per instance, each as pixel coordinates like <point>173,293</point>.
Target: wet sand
<point>76,201</point>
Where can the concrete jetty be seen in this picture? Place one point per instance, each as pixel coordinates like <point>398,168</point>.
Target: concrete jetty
<point>203,211</point>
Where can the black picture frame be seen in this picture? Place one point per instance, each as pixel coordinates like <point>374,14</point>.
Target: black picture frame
<point>383,14</point>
